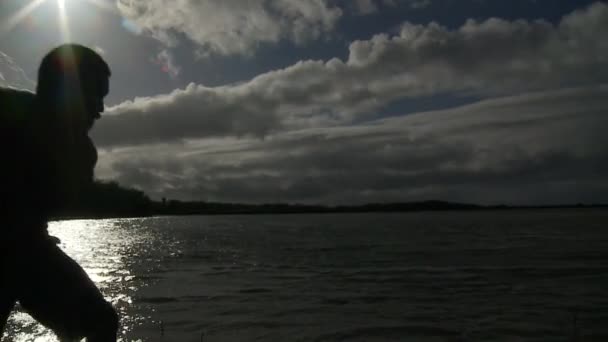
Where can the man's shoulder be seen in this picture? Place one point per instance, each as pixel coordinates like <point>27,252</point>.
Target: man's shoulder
<point>15,105</point>
<point>17,108</point>
<point>15,96</point>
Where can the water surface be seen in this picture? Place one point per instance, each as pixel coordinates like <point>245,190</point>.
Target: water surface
<point>450,276</point>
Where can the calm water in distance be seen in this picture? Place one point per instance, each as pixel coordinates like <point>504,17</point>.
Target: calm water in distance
<point>449,276</point>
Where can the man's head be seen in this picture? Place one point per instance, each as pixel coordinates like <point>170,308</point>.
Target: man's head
<point>73,80</point>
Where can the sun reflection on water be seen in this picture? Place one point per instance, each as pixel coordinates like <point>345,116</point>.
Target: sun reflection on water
<point>106,250</point>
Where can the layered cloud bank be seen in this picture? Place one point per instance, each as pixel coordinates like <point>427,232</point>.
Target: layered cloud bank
<point>311,132</point>
<point>489,58</point>
<point>546,147</point>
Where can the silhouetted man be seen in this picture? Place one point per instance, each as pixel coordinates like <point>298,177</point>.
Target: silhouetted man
<point>47,159</point>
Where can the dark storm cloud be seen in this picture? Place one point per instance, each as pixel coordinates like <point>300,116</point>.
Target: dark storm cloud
<point>523,149</point>
<point>485,58</point>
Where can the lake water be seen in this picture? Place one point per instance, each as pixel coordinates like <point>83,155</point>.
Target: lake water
<point>449,276</point>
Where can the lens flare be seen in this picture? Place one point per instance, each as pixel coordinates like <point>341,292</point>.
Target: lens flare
<point>18,17</point>
<point>24,12</point>
<point>63,21</point>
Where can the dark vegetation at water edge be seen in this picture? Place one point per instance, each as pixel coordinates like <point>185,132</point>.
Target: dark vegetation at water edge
<point>109,199</point>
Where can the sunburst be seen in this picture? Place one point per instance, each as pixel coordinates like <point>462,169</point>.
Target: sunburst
<point>18,17</point>
<point>32,5</point>
<point>63,21</point>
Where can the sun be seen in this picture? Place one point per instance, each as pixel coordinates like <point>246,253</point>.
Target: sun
<point>27,9</point>
<point>31,5</point>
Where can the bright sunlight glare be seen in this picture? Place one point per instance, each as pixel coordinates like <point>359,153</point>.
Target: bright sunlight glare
<point>16,18</point>
<point>63,21</point>
<point>30,6</point>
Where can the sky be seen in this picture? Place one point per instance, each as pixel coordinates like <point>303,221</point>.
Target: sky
<point>338,101</point>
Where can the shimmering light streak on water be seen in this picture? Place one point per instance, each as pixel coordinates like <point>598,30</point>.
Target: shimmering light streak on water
<point>107,250</point>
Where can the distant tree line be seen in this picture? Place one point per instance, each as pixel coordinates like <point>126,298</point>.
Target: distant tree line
<point>105,199</point>
<point>109,199</point>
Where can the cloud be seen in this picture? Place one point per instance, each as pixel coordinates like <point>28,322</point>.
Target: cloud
<point>190,113</point>
<point>12,75</point>
<point>501,150</point>
<point>489,58</point>
<point>231,27</point>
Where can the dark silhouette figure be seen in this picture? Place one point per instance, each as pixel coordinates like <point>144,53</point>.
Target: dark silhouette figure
<point>47,159</point>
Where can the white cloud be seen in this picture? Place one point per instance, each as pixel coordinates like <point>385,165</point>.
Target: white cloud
<point>490,56</point>
<point>187,114</point>
<point>12,75</point>
<point>229,27</point>
<point>503,150</point>
<point>486,58</point>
